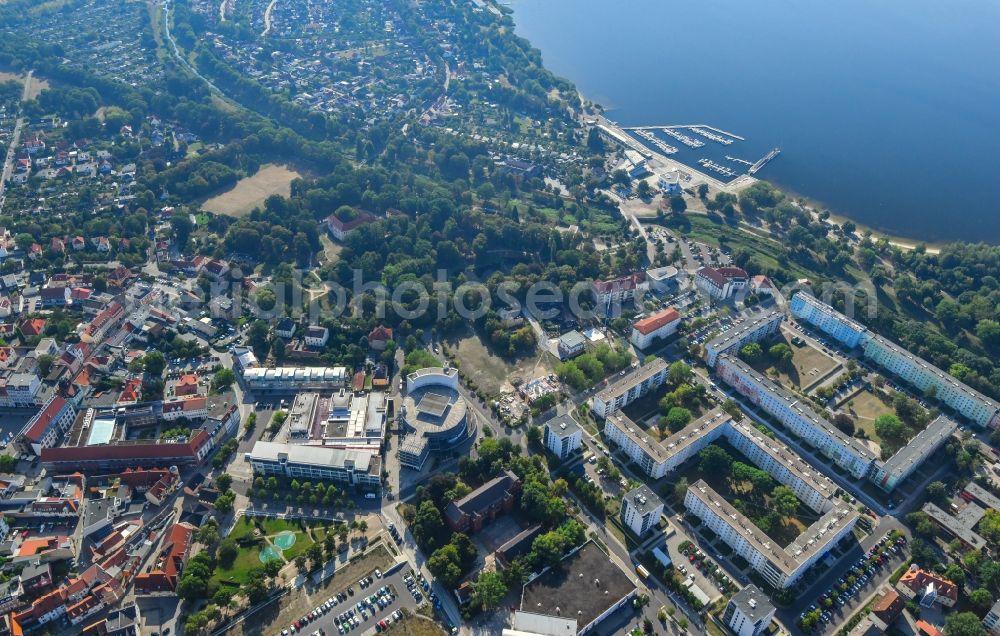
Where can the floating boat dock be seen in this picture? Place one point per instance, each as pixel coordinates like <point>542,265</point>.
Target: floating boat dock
<point>690,142</point>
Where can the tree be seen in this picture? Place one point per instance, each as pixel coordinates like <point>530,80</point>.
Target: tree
<point>489,589</point>
<point>224,481</point>
<point>444,563</point>
<point>8,463</point>
<point>681,488</point>
<point>963,624</point>
<point>888,426</point>
<point>44,362</point>
<point>678,373</point>
<point>751,352</point>
<point>227,552</point>
<point>936,491</point>
<point>223,379</point>
<point>427,526</point>
<point>784,501</point>
<point>702,191</point>
<point>677,418</point>
<point>715,460</point>
<point>677,204</point>
<point>154,363</point>
<point>981,598</point>
<point>780,353</point>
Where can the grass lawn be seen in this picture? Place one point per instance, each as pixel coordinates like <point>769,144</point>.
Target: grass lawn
<point>809,364</point>
<point>302,543</point>
<point>246,560</point>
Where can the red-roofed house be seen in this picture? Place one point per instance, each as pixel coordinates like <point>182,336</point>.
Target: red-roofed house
<point>193,408</point>
<point>48,425</point>
<point>341,228</point>
<point>163,578</point>
<point>32,327</point>
<point>378,337</point>
<point>761,285</point>
<point>131,392</point>
<point>84,609</point>
<point>659,325</point>
<point>927,587</point>
<point>618,290</point>
<point>887,609</point>
<point>187,385</point>
<point>721,282</point>
<point>927,629</point>
<point>44,610</point>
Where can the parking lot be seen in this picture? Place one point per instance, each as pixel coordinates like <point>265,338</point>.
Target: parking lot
<point>361,607</point>
<point>849,593</point>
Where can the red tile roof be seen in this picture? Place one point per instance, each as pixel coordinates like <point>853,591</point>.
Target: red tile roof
<point>652,323</point>
<point>380,333</point>
<point>624,283</point>
<point>918,580</point>
<point>45,418</point>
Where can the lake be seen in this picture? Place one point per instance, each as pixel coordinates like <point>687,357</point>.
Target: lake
<point>886,112</point>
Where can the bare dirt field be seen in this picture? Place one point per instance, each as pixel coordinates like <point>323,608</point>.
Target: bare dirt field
<point>490,372</point>
<point>37,84</point>
<point>250,192</point>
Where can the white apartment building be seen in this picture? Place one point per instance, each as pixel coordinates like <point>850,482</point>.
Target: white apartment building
<point>563,436</point>
<point>659,458</point>
<point>915,371</point>
<point>641,510</point>
<point>797,415</point>
<point>631,387</point>
<point>781,567</point>
<point>992,620</point>
<point>721,282</point>
<point>754,328</point>
<point>838,326</point>
<point>749,612</point>
<point>47,427</point>
<point>659,325</point>
<point>923,375</point>
<point>350,467</point>
<point>19,390</point>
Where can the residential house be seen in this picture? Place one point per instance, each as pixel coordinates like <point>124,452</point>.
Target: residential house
<point>379,337</point>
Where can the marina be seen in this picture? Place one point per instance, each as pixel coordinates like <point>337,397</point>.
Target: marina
<point>660,144</point>
<point>690,142</point>
<point>711,165</point>
<point>707,134</point>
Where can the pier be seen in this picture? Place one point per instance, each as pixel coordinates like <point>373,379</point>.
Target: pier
<point>763,160</point>
<point>738,160</point>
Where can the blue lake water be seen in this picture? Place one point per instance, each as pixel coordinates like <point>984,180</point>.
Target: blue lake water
<point>886,112</point>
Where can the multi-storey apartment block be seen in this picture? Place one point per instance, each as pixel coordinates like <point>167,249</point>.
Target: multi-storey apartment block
<point>781,567</point>
<point>658,458</point>
<point>629,388</point>
<point>756,327</point>
<point>915,371</point>
<point>797,415</point>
